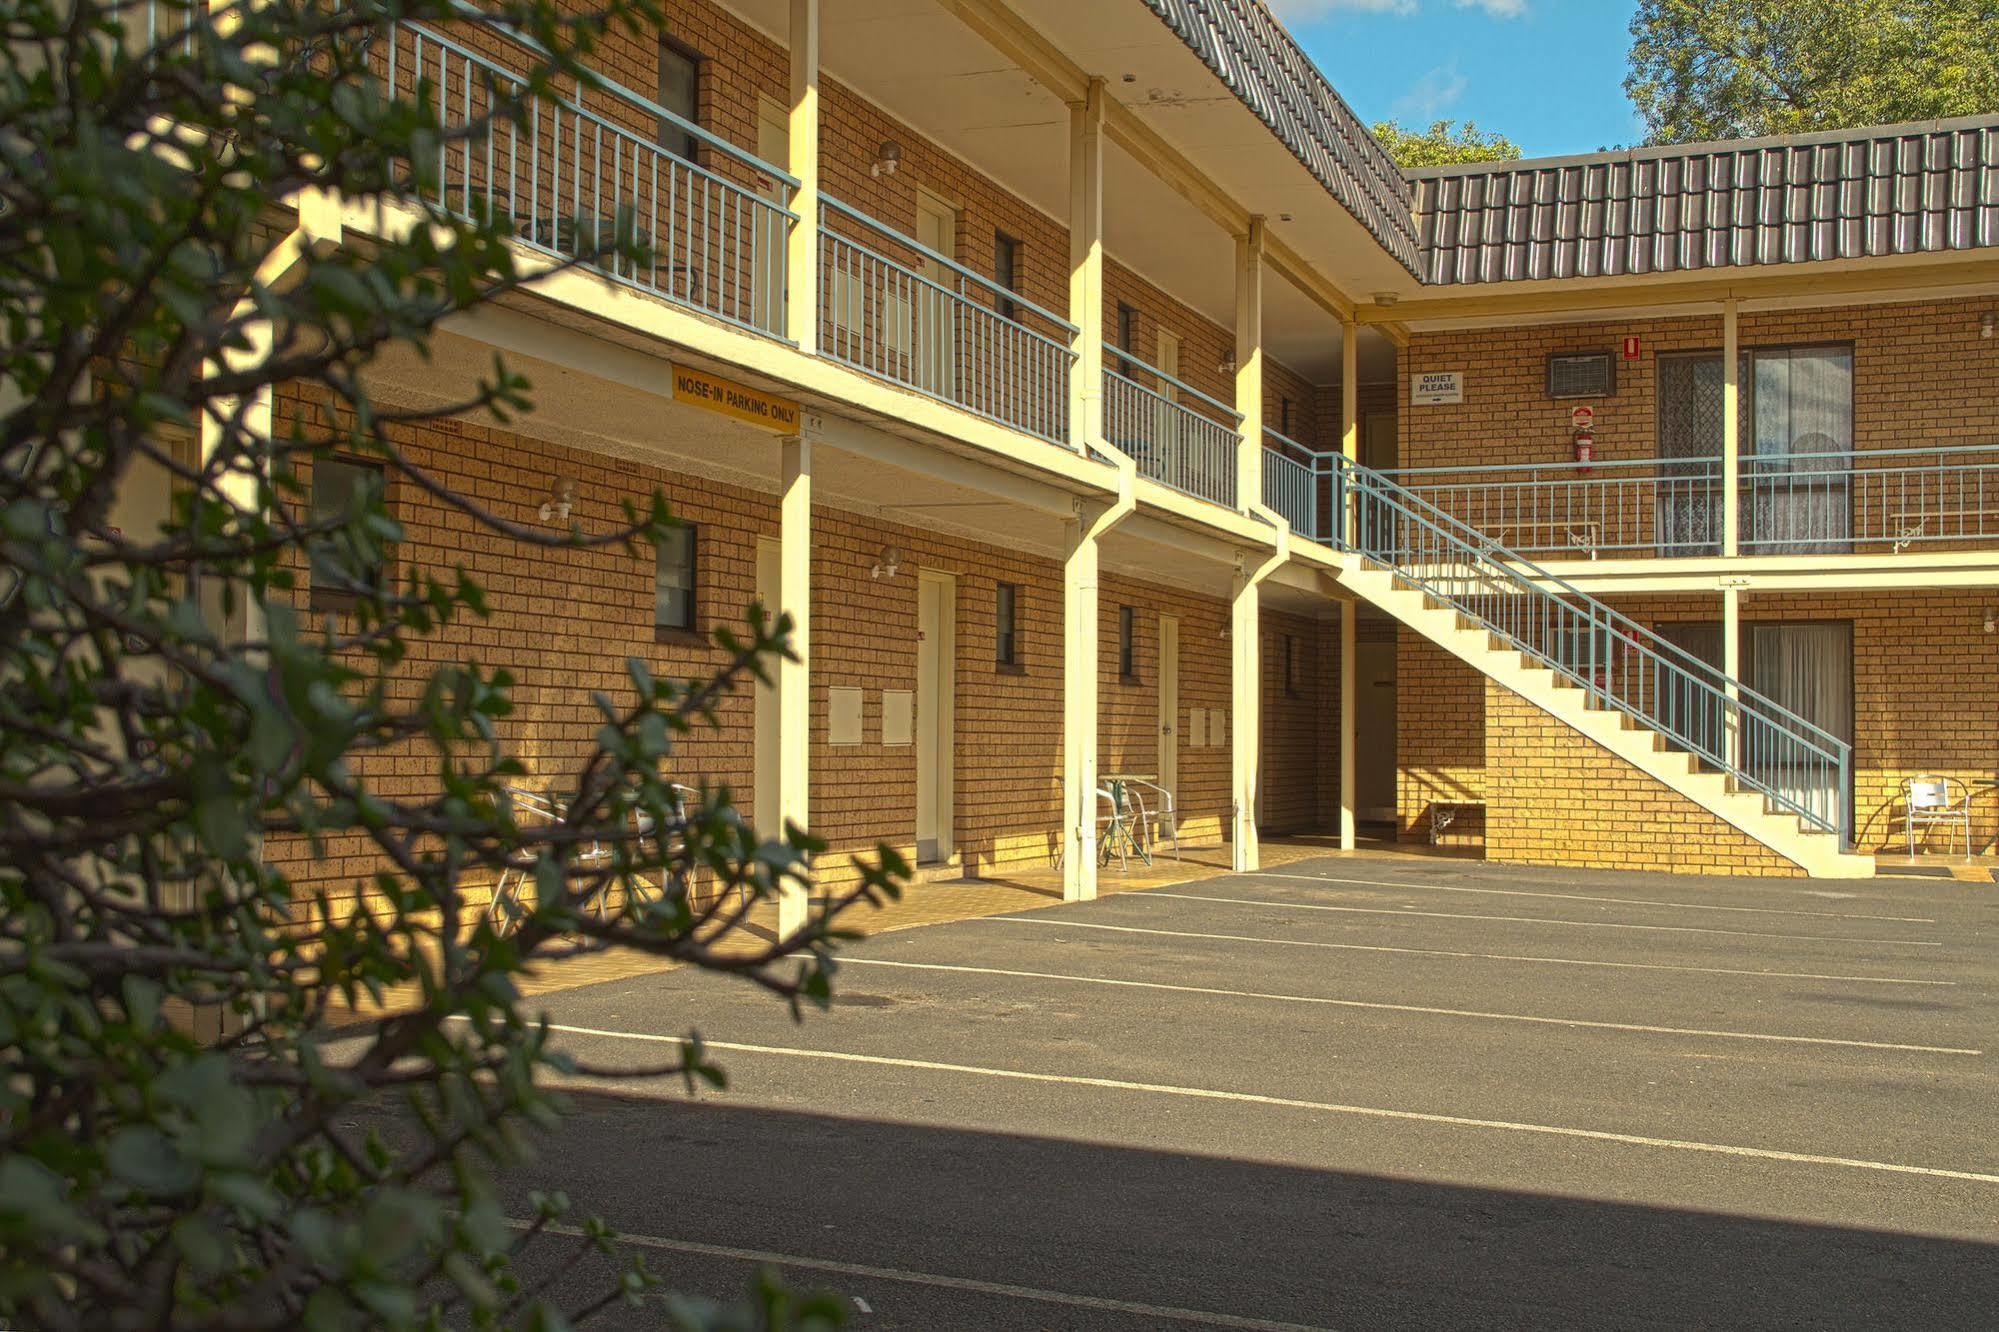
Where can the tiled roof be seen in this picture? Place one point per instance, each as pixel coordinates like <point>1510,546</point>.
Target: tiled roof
<point>1250,51</point>
<point>1846,194</point>
<point>1885,190</point>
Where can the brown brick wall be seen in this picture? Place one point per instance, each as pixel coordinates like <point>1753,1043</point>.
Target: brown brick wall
<point>1439,734</point>
<point>1301,741</point>
<point>1926,699</point>
<point>1554,797</point>
<point>564,622</point>
<point>1900,352</point>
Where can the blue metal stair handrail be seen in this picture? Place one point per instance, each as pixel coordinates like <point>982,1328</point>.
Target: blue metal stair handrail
<point>1763,746</point>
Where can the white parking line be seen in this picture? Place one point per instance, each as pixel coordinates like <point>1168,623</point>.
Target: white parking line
<point>1447,952</point>
<point>1581,897</point>
<point>1323,1107</point>
<point>905,1276</point>
<point>1519,920</point>
<point>1378,1007</point>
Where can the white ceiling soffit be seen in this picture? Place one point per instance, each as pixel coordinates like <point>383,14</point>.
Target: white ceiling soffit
<point>1154,73</point>
<point>925,67</point>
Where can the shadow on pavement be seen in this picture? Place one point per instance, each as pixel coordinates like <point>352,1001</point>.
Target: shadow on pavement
<point>1289,1245</point>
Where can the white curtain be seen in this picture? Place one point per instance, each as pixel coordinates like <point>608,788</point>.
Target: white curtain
<point>1807,668</point>
<point>1797,499</point>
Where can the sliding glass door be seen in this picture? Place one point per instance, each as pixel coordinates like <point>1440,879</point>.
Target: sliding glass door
<point>1808,668</point>
<point>1804,667</point>
<point>1797,437</point>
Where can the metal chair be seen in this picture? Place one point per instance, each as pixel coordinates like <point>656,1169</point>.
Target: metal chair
<point>1930,801</point>
<point>1161,814</point>
<point>1121,831</point>
<point>537,807</point>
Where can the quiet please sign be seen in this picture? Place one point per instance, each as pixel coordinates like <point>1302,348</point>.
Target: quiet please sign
<point>1437,388</point>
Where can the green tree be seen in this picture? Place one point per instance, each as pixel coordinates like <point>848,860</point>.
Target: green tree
<point>1445,143</point>
<point>1718,69</point>
<point>169,707</point>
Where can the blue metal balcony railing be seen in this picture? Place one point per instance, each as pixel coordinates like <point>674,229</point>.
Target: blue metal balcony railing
<point>895,309</point>
<point>1561,510</point>
<point>568,177</point>
<point>1760,744</point>
<point>1830,502</point>
<point>1290,483</point>
<point>1178,435</point>
<point>1835,503</point>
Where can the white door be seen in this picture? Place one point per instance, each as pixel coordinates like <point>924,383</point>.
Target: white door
<point>936,653</point>
<point>1374,731</point>
<point>771,235</point>
<point>1377,440</point>
<point>766,718</point>
<point>1169,705</point>
<point>932,313</point>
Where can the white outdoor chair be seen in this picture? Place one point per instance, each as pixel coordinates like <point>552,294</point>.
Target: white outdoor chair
<point>530,806</point>
<point>1930,801</point>
<point>1160,820</point>
<point>1121,827</point>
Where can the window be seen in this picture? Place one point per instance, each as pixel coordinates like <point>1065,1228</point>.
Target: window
<point>680,93</point>
<point>1127,337</point>
<point>1797,428</point>
<point>1284,417</point>
<point>1290,666</point>
<point>341,488</point>
<point>1006,271</point>
<point>1127,645</point>
<point>1006,631</point>
<point>673,583</point>
<point>1804,666</point>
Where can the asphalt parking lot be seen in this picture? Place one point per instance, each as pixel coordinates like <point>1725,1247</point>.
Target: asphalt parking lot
<point>1349,1094</point>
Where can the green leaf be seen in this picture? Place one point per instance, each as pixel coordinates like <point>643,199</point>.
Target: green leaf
<point>202,1245</point>
<point>149,1161</point>
<point>34,1204</point>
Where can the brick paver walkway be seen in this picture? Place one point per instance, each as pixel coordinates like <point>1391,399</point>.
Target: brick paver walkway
<point>935,903</point>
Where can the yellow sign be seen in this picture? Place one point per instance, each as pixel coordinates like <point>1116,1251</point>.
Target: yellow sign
<point>732,399</point>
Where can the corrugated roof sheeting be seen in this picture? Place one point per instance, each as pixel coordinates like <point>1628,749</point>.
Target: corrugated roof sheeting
<point>1890,191</point>
<point>1257,59</point>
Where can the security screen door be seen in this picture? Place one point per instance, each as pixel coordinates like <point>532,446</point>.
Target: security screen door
<point>1797,437</point>
<point>1687,512</point>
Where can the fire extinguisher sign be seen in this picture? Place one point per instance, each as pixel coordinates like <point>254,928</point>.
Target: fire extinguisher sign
<point>1582,418</point>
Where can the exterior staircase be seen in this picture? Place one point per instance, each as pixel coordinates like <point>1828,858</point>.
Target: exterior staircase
<point>1739,755</point>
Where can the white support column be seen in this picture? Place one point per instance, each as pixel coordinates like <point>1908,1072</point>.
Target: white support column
<point>801,260</point>
<point>1731,430</point>
<point>1079,704</point>
<point>1731,667</point>
<point>1349,690</point>
<point>1246,719</point>
<point>1086,267</point>
<point>1249,364</point>
<point>794,677</point>
<point>1350,610</point>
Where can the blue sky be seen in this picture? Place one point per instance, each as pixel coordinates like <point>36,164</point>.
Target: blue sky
<point>1549,74</point>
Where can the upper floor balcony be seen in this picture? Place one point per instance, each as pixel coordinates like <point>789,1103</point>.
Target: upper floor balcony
<point>908,303</point>
<point>1816,502</point>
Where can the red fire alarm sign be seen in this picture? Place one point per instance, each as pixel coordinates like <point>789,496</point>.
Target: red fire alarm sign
<point>1631,349</point>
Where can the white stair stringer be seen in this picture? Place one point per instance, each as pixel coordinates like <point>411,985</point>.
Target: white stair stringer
<point>1813,850</point>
